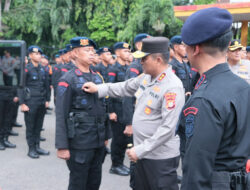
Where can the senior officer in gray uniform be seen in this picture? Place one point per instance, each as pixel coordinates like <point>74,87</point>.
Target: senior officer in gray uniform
<point>215,120</point>
<point>160,98</point>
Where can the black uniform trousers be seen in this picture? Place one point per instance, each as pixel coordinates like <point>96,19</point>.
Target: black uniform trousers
<point>85,169</point>
<point>118,144</point>
<point>156,174</point>
<point>5,117</point>
<point>34,122</point>
<point>15,111</point>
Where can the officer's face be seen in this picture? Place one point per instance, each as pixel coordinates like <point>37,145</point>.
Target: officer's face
<point>106,57</point>
<point>123,54</point>
<point>35,56</point>
<point>85,55</point>
<point>148,64</point>
<point>181,50</point>
<point>234,55</point>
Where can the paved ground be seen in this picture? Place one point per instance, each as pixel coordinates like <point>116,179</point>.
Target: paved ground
<point>19,172</point>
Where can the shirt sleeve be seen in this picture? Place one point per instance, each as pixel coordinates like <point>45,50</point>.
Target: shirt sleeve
<point>172,103</point>
<point>63,103</point>
<point>120,89</point>
<point>203,131</point>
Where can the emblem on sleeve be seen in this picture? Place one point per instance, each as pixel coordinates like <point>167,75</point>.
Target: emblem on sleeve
<point>190,110</point>
<point>170,100</point>
<point>62,87</point>
<point>189,114</point>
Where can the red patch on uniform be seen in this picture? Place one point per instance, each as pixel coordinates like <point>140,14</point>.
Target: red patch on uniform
<point>56,68</point>
<point>170,100</point>
<point>134,70</point>
<point>195,70</point>
<point>26,70</point>
<point>162,76</point>
<point>173,71</point>
<point>112,74</point>
<point>190,110</point>
<point>200,81</point>
<point>78,72</point>
<point>63,84</point>
<point>248,166</point>
<point>64,70</point>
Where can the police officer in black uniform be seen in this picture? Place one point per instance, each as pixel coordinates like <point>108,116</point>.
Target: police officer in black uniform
<point>34,99</point>
<point>119,142</point>
<point>181,68</point>
<point>80,116</point>
<point>215,119</point>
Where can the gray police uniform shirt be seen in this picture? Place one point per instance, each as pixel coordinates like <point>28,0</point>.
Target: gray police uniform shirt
<point>242,70</point>
<point>159,102</point>
<point>8,65</point>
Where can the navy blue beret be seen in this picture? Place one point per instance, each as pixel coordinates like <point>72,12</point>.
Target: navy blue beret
<point>103,50</point>
<point>82,42</point>
<point>121,45</point>
<point>68,47</point>
<point>34,48</point>
<point>57,56</point>
<point>205,25</point>
<point>64,51</point>
<point>176,40</point>
<point>140,37</point>
<point>61,52</point>
<point>248,48</point>
<point>45,56</point>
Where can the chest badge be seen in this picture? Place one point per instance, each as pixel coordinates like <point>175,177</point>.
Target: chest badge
<point>147,110</point>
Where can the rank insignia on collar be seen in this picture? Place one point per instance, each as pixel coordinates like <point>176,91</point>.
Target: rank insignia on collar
<point>147,110</point>
<point>84,42</point>
<point>162,76</point>
<point>145,82</point>
<point>170,100</point>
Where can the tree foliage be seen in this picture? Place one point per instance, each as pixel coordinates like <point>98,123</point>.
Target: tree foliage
<point>52,23</point>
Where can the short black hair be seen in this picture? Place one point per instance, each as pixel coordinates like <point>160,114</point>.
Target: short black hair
<point>220,43</point>
<point>164,56</point>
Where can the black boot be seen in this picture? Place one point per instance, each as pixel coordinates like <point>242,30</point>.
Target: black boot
<point>13,133</point>
<point>7,143</point>
<point>15,124</point>
<point>32,152</point>
<point>41,151</point>
<point>2,147</point>
<point>42,138</point>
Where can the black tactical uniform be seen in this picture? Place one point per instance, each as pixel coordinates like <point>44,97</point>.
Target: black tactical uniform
<point>119,143</point>
<point>215,123</point>
<point>100,68</point>
<point>184,73</point>
<point>80,128</point>
<point>56,74</point>
<point>35,93</point>
<point>6,115</point>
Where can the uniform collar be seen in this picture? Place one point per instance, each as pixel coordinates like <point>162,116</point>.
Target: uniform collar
<point>161,76</point>
<point>220,68</point>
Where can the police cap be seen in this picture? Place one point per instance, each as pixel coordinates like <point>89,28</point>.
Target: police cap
<point>205,25</point>
<point>45,56</point>
<point>248,48</point>
<point>235,44</point>
<point>68,47</point>
<point>34,48</point>
<point>82,42</point>
<point>153,45</point>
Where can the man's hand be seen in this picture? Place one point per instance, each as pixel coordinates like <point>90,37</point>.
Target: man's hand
<point>113,117</point>
<point>132,155</point>
<point>46,104</point>
<point>128,130</point>
<point>106,142</point>
<point>15,99</point>
<point>63,154</point>
<point>24,108</point>
<point>90,87</point>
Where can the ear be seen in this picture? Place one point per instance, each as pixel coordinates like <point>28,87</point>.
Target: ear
<point>197,49</point>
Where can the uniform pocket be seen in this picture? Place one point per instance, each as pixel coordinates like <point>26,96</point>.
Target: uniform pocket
<point>220,181</point>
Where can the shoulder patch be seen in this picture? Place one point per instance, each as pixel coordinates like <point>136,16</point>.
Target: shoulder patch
<point>170,100</point>
<point>189,125</point>
<point>62,87</point>
<point>190,110</point>
<point>64,70</point>
<point>135,71</point>
<point>112,74</point>
<point>78,72</point>
<point>26,70</point>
